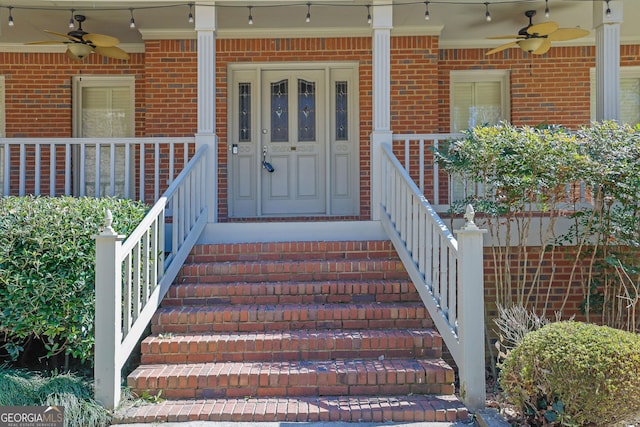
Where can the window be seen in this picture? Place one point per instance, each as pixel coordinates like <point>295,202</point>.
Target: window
<point>629,95</point>
<point>103,108</point>
<point>477,97</point>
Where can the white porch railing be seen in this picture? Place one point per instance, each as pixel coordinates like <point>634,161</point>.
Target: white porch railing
<point>133,276</point>
<point>447,273</point>
<point>132,168</point>
<point>415,153</point>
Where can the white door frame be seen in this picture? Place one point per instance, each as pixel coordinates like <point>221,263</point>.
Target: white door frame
<point>252,73</point>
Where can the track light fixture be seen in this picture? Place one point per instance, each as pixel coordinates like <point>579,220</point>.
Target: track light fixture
<point>427,16</point>
<point>190,17</point>
<point>10,17</point>
<point>250,15</point>
<point>132,22</point>
<point>308,18</point>
<point>368,14</point>
<point>487,14</point>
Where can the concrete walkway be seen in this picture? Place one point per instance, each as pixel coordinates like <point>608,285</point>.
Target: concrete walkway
<point>311,424</point>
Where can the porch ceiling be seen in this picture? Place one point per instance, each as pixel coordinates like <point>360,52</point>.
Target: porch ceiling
<point>461,23</point>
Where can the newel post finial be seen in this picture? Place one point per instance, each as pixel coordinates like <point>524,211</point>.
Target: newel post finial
<point>469,216</point>
<point>108,221</point>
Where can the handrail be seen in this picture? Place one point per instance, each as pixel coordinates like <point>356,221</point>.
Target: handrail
<point>133,276</point>
<point>447,273</point>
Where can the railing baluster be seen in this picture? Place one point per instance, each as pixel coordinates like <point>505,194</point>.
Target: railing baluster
<point>127,171</point>
<point>7,170</point>
<point>172,160</point>
<point>156,173</point>
<point>83,168</point>
<point>422,165</point>
<point>22,170</point>
<point>52,169</point>
<point>142,172</point>
<point>127,295</point>
<point>36,189</point>
<point>97,172</point>
<point>67,169</point>
<point>112,169</point>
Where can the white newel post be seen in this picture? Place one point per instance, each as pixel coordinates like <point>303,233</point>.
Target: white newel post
<point>108,321</point>
<point>471,313</point>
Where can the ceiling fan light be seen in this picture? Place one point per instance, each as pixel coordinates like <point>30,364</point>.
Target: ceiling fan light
<point>531,44</point>
<point>80,50</point>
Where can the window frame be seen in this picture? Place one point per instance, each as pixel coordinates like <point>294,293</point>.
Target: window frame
<point>479,76</point>
<point>628,72</point>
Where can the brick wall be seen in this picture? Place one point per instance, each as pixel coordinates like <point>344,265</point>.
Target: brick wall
<point>551,88</point>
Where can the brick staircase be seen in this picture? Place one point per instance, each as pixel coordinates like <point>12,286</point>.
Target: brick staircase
<point>305,331</point>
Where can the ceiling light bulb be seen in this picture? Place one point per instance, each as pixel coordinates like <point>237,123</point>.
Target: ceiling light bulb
<point>308,18</point>
<point>190,17</point>
<point>71,23</point>
<point>546,8</point>
<point>608,11</point>
<point>10,17</point>
<point>427,16</point>
<point>487,14</point>
<point>368,14</point>
<point>132,22</point>
<point>250,16</point>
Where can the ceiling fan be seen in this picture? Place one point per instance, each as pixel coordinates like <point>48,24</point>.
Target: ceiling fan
<point>536,39</point>
<point>82,43</point>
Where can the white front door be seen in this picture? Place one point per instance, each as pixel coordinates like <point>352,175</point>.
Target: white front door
<point>293,142</point>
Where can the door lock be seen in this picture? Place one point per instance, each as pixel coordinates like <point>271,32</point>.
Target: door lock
<point>266,164</point>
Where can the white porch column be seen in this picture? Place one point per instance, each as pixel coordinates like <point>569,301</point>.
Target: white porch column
<point>607,59</point>
<point>382,23</point>
<point>206,25</point>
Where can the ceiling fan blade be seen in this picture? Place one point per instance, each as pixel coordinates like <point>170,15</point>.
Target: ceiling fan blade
<point>66,36</point>
<point>48,42</point>
<point>100,40</point>
<point>518,36</point>
<point>562,34</point>
<point>544,47</point>
<point>542,29</point>
<point>112,52</point>
<point>501,48</point>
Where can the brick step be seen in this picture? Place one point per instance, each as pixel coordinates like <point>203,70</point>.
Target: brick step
<point>292,345</point>
<point>383,409</point>
<point>324,292</point>
<point>292,251</point>
<point>289,317</point>
<point>293,271</point>
<point>294,378</point>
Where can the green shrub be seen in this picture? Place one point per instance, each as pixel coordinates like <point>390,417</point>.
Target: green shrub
<point>573,373</point>
<point>47,255</point>
<point>75,394</point>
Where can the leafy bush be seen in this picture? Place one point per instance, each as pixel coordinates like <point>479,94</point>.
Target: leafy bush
<point>22,388</point>
<point>573,373</point>
<point>47,286</point>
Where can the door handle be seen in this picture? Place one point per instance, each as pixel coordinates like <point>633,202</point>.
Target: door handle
<point>266,164</point>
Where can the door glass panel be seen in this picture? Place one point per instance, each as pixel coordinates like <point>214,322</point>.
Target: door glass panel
<point>342,129</point>
<point>280,111</point>
<point>244,102</point>
<point>306,110</point>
